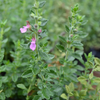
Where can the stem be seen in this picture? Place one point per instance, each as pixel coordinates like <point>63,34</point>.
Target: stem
<point>36,22</point>
<point>68,97</point>
<point>29,89</point>
<point>1,36</point>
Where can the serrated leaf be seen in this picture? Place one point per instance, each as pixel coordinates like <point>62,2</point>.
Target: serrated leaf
<point>2,96</point>
<point>90,63</point>
<point>83,92</point>
<point>64,96</point>
<point>77,43</point>
<point>44,22</point>
<point>97,68</point>
<point>21,86</point>
<point>67,89</point>
<point>67,28</point>
<point>7,29</point>
<point>43,34</point>
<point>97,80</point>
<point>8,92</point>
<point>76,55</point>
<point>14,77</point>
<point>82,80</point>
<point>60,47</point>
<point>43,55</point>
<point>50,56</point>
<point>91,75</point>
<point>46,93</point>
<point>71,86</point>
<point>97,60</point>
<point>62,39</point>
<point>27,73</point>
<point>1,55</point>
<point>80,52</point>
<point>41,4</point>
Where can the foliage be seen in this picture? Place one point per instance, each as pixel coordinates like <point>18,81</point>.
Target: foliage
<point>28,75</point>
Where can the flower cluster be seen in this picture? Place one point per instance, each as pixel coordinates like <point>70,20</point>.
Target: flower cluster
<point>24,29</point>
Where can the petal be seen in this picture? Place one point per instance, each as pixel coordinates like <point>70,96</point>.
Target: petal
<point>23,30</point>
<point>33,40</point>
<point>32,46</point>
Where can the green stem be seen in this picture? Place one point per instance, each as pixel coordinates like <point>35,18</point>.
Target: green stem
<point>1,36</point>
<point>68,97</point>
<point>36,22</point>
<point>29,89</point>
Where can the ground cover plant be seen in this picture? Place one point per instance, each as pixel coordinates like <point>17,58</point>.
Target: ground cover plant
<point>31,75</point>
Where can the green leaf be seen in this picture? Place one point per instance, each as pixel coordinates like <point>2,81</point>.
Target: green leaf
<point>43,55</point>
<point>8,92</point>
<point>64,96</point>
<point>78,67</point>
<point>97,80</point>
<point>97,60</point>
<point>1,55</point>
<point>97,68</point>
<point>41,4</point>
<point>58,89</point>
<point>90,63</point>
<point>44,22</point>
<point>77,43</point>
<point>2,96</point>
<point>67,28</point>
<point>80,52</point>
<point>60,47</point>
<point>21,86</point>
<point>43,34</point>
<point>76,93</point>
<point>27,73</point>
<point>83,92</point>
<point>50,56</point>
<point>82,80</point>
<point>62,39</point>
<point>83,35</point>
<point>46,93</point>
<point>91,75</point>
<point>4,79</point>
<point>0,83</point>
<point>71,86</point>
<point>14,77</point>
<point>7,29</point>
<point>68,89</point>
<point>36,97</point>
<point>70,19</point>
<point>76,55</point>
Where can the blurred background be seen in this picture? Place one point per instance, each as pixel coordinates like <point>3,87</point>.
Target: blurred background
<point>57,12</point>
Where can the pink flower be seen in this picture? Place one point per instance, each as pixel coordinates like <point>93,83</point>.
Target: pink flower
<point>24,29</point>
<point>39,31</point>
<point>33,45</point>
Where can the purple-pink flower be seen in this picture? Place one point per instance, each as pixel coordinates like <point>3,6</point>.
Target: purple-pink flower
<point>24,29</point>
<point>33,45</point>
<point>39,31</point>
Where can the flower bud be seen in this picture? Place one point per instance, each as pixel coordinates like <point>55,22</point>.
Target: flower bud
<point>35,26</point>
<point>32,15</point>
<point>39,23</point>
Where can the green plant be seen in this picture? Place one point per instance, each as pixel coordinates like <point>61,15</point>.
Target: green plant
<point>28,75</point>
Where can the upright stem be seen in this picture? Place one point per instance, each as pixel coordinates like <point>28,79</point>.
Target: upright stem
<point>36,22</point>
<point>29,89</point>
<point>1,36</point>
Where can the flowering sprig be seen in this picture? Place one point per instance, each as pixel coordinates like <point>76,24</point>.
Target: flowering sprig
<point>33,45</point>
<point>24,29</point>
